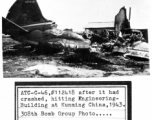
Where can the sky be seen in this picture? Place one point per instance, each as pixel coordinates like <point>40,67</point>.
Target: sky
<point>76,14</point>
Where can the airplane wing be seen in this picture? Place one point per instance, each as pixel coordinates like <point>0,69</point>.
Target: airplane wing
<point>10,28</point>
<point>56,33</point>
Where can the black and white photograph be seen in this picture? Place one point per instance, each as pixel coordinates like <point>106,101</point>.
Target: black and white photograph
<point>75,38</point>
<point>75,60</point>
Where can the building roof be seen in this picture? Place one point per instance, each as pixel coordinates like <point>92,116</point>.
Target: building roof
<point>100,25</point>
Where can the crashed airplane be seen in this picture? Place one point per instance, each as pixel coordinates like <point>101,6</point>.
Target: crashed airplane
<point>119,38</point>
<point>26,24</point>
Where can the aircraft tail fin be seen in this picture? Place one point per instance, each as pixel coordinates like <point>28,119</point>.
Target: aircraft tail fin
<point>10,28</point>
<point>24,12</point>
<point>121,20</point>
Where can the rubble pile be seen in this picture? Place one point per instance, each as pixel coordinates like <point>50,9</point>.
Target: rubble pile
<point>129,43</point>
<point>79,63</point>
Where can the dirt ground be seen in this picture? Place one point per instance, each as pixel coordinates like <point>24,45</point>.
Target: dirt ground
<point>20,62</point>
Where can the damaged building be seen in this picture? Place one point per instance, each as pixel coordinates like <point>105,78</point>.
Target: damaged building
<point>99,27</point>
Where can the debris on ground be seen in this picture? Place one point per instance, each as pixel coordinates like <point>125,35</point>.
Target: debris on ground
<point>130,44</point>
<point>125,55</point>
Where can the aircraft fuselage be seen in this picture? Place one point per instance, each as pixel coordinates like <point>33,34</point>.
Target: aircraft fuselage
<point>25,23</point>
